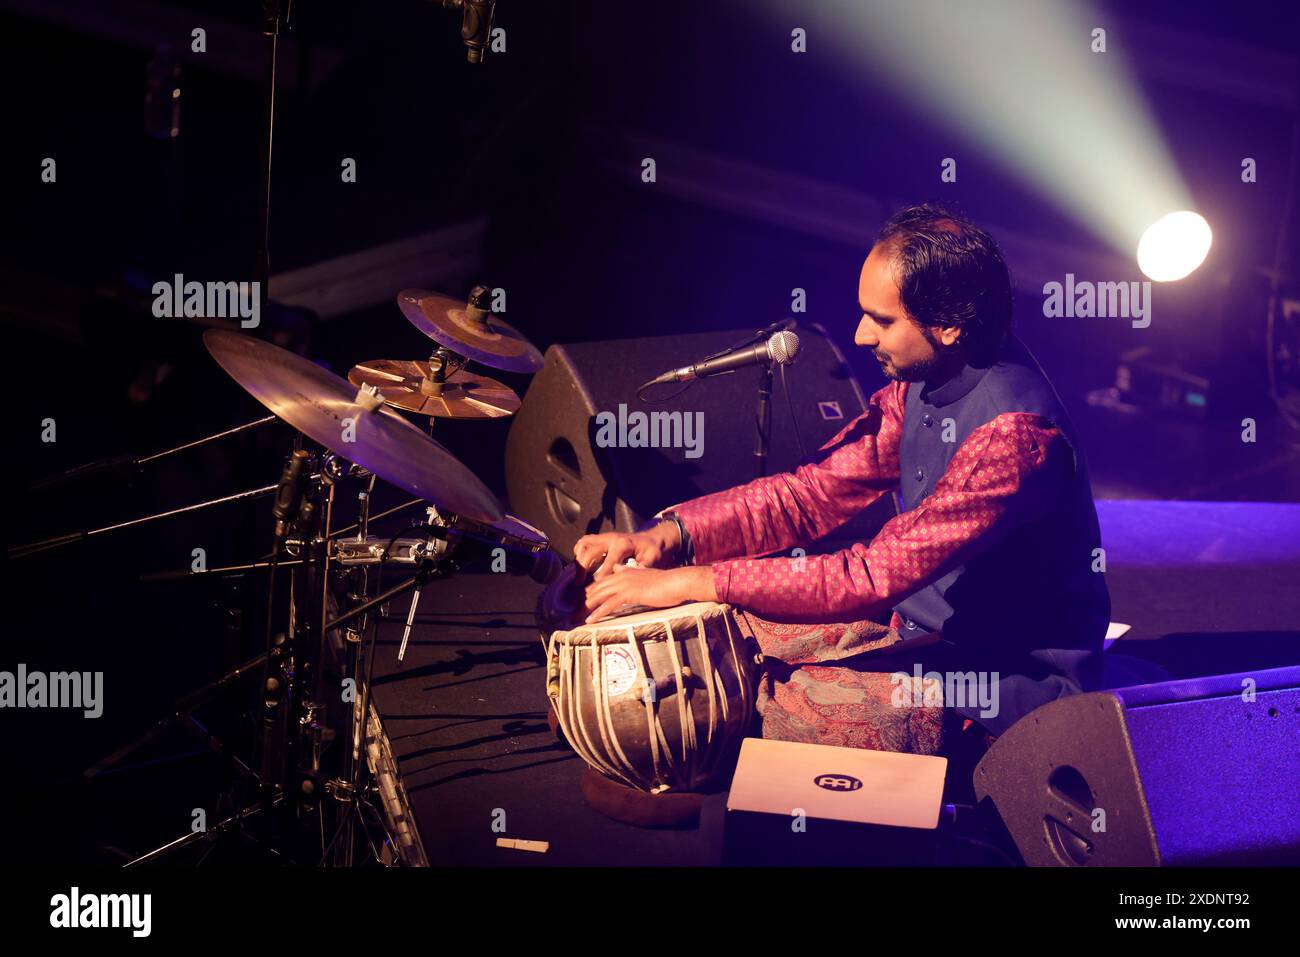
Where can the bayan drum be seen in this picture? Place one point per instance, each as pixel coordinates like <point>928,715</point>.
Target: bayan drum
<point>656,701</point>
<point>560,605</point>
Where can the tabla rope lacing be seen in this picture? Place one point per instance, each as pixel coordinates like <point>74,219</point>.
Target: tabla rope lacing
<point>659,748</point>
<point>605,717</point>
<point>571,717</point>
<point>684,713</point>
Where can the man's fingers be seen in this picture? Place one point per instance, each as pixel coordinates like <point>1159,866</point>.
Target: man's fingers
<point>605,609</point>
<point>614,558</point>
<point>599,591</point>
<point>601,599</point>
<point>587,552</point>
<point>602,554</point>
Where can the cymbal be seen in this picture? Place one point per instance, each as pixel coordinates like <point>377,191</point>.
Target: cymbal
<point>324,407</point>
<point>469,329</point>
<point>514,529</point>
<point>409,385</point>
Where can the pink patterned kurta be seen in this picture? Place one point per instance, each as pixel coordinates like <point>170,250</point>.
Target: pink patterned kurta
<point>1004,470</point>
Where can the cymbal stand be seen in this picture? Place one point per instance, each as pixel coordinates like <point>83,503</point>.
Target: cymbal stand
<point>284,670</point>
<point>287,669</point>
<point>344,788</point>
<point>355,787</point>
<point>443,363</point>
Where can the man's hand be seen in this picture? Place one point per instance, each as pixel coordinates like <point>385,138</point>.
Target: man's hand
<point>655,588</point>
<point>656,547</point>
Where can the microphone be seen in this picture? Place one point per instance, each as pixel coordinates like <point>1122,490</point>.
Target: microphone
<point>765,333</point>
<point>536,561</point>
<point>475,24</point>
<point>289,495</point>
<point>781,348</point>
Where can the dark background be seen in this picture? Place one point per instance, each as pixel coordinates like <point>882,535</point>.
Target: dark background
<point>531,164</point>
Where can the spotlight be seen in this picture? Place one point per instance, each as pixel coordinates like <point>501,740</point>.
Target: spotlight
<point>1173,246</point>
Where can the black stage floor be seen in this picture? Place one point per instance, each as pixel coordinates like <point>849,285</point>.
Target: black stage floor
<point>466,714</point>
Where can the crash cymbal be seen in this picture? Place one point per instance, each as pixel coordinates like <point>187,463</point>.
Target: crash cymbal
<point>469,329</point>
<point>327,409</point>
<point>412,385</point>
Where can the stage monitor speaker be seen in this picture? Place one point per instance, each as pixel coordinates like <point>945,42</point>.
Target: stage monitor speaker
<point>561,478</point>
<point>1195,771</point>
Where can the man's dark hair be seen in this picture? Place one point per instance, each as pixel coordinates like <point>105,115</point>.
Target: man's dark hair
<point>950,273</point>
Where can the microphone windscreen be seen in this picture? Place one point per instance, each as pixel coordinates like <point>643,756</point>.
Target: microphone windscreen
<point>783,347</point>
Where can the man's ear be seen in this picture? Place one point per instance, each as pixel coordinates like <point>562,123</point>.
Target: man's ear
<point>948,335</point>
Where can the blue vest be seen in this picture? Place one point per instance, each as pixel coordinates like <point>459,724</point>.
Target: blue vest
<point>1030,607</point>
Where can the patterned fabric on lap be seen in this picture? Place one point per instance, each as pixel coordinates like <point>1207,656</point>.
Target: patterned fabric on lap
<point>809,693</point>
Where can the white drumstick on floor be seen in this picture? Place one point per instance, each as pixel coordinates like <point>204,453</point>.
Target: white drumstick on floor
<point>410,617</point>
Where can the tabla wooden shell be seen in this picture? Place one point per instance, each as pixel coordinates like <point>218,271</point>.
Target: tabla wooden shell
<point>657,700</point>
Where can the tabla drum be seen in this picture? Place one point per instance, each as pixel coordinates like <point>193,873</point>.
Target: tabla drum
<point>561,605</point>
<point>657,701</point>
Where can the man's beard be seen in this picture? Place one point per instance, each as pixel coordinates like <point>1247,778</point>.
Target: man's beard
<point>916,372</point>
<point>920,370</point>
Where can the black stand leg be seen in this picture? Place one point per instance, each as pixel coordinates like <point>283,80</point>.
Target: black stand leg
<point>273,17</point>
<point>763,421</point>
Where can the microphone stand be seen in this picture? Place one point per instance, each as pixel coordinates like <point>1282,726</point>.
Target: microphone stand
<point>763,420</point>
<point>32,548</point>
<point>475,24</point>
<point>272,19</point>
<point>105,465</point>
<point>182,713</point>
